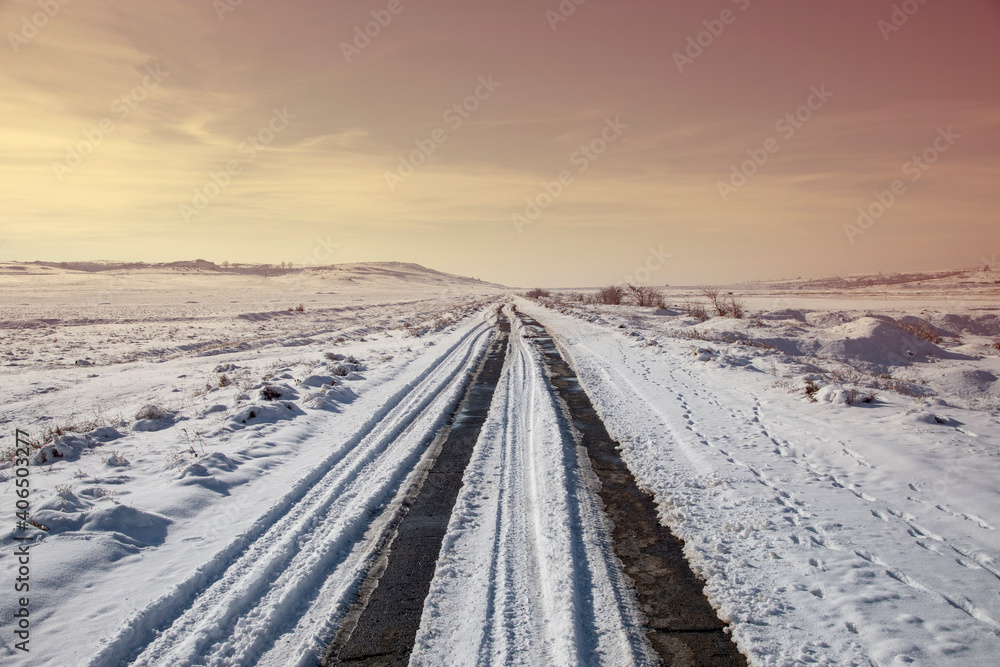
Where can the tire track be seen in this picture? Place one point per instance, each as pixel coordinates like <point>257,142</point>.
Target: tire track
<point>682,626</point>
<point>309,550</point>
<point>527,574</point>
<point>382,629</point>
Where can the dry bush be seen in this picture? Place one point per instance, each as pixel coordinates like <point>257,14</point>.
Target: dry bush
<point>644,297</point>
<point>922,330</point>
<point>690,334</point>
<point>734,307</point>
<point>696,310</point>
<point>849,375</point>
<point>811,388</point>
<point>269,393</point>
<point>151,411</point>
<point>716,299</point>
<point>612,295</point>
<point>996,343</point>
<point>538,293</point>
<point>886,382</point>
<point>724,304</point>
<point>855,396</point>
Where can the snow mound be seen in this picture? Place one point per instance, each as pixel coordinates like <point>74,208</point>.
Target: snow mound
<point>130,525</point>
<point>705,354</point>
<point>926,417</point>
<point>318,381</point>
<point>838,395</point>
<point>330,399</point>
<point>879,342</point>
<point>265,414</point>
<point>62,448</point>
<point>203,471</point>
<point>277,392</point>
<point>64,511</point>
<point>116,460</point>
<point>982,325</point>
<point>105,434</point>
<point>968,381</point>
<point>153,418</point>
<point>217,461</point>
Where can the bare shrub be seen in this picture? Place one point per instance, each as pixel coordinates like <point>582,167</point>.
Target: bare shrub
<point>811,388</point>
<point>695,309</point>
<point>538,293</point>
<point>690,334</point>
<point>643,296</point>
<point>855,396</point>
<point>716,299</point>
<point>734,306</point>
<point>922,330</point>
<point>269,393</point>
<point>150,411</point>
<point>886,382</point>
<point>996,343</point>
<point>612,295</point>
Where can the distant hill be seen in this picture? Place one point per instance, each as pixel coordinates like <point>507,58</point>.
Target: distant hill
<point>357,272</point>
<point>922,280</point>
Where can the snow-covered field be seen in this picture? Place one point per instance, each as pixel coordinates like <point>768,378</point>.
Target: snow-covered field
<point>830,530</point>
<point>220,466</point>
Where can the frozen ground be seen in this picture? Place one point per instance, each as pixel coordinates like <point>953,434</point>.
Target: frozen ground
<point>832,473</point>
<point>830,530</point>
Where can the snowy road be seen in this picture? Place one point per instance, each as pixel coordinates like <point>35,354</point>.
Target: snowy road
<point>826,534</point>
<point>270,597</point>
<point>527,575</point>
<point>527,572</point>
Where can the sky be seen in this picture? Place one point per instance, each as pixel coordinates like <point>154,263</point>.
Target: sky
<point>528,142</point>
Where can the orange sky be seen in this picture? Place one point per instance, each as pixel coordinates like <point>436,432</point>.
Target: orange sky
<point>273,132</point>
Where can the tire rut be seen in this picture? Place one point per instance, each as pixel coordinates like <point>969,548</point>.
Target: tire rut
<point>382,627</point>
<point>683,627</point>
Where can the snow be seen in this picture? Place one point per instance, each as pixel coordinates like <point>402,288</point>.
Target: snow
<point>219,466</point>
<point>828,531</point>
<point>164,509</point>
<point>526,573</point>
